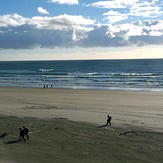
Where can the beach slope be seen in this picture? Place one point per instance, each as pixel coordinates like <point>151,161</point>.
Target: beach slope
<point>69,126</point>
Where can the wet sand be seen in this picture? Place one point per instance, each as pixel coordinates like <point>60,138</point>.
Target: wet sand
<point>69,125</point>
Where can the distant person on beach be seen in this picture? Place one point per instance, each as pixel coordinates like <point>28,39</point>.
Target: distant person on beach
<point>21,134</point>
<point>26,132</point>
<point>108,120</point>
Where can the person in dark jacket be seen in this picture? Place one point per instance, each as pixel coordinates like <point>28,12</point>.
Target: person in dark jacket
<point>21,134</point>
<point>108,120</point>
<point>26,131</point>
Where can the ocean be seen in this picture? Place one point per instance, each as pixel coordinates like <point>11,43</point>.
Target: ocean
<point>138,75</point>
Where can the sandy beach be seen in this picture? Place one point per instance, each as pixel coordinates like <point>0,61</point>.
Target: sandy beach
<point>68,125</point>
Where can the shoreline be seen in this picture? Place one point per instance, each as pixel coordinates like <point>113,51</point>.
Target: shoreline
<point>91,88</point>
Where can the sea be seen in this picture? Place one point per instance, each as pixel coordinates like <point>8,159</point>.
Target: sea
<point>137,75</point>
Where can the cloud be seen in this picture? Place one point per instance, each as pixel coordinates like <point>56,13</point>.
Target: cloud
<point>126,9</point>
<point>118,36</point>
<point>114,16</point>
<point>68,2</point>
<point>28,37</point>
<point>113,4</point>
<point>12,20</point>
<point>43,22</point>
<point>145,9</point>
<point>18,32</point>
<point>63,22</point>
<point>42,10</point>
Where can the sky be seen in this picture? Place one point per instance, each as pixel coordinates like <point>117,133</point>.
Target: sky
<point>80,29</point>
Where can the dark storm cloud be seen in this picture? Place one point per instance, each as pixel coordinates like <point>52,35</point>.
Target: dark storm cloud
<point>28,37</point>
<point>101,37</point>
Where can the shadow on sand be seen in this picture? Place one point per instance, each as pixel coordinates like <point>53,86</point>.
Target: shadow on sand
<point>102,126</point>
<point>12,141</point>
<point>3,135</point>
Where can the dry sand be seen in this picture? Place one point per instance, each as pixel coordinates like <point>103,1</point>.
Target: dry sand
<point>68,126</point>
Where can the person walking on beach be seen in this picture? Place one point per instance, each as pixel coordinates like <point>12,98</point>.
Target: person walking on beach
<point>26,132</point>
<point>21,134</point>
<point>108,120</point>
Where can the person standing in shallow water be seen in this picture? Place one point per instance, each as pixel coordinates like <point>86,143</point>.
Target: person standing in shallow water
<point>26,131</point>
<point>108,120</point>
